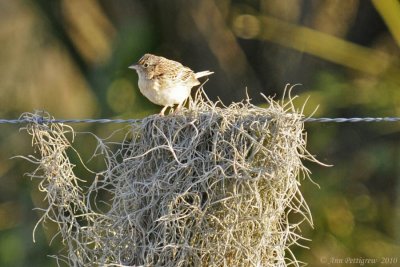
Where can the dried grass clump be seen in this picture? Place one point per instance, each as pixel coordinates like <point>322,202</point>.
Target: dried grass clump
<point>207,186</point>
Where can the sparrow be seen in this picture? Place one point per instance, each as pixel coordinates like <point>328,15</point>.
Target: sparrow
<point>165,82</point>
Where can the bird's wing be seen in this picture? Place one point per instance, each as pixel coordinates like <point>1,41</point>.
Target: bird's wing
<point>175,72</point>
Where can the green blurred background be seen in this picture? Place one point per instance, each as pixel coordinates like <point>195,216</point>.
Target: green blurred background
<point>70,58</point>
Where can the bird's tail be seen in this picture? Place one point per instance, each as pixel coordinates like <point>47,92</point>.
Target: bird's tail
<point>202,74</point>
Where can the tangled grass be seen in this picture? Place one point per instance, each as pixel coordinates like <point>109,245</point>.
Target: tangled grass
<point>206,186</point>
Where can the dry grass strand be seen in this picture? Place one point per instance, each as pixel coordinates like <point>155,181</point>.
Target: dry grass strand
<point>207,186</point>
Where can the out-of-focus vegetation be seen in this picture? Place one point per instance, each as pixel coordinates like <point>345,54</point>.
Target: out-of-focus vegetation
<point>70,58</point>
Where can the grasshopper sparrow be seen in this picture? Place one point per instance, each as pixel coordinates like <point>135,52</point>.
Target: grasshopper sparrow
<point>165,82</point>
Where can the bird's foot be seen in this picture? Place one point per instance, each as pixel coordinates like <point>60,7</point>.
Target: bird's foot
<point>178,108</point>
<point>163,111</point>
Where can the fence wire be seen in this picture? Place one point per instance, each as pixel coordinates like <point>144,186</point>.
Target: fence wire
<point>42,120</point>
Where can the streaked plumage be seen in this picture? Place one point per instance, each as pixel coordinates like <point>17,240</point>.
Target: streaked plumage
<point>165,82</point>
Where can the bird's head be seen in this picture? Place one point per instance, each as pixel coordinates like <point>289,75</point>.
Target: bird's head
<point>146,65</point>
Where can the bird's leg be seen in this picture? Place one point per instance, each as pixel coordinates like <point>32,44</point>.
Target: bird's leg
<point>163,110</point>
<point>178,107</point>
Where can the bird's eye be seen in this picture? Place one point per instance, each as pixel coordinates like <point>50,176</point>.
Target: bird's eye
<point>145,65</point>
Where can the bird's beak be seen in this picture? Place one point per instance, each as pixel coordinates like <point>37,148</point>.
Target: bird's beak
<point>134,66</point>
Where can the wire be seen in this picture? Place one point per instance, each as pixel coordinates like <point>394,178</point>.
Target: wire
<point>367,119</point>
<point>42,120</point>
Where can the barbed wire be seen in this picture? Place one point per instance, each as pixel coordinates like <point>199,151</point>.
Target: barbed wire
<point>365,119</point>
<point>42,120</point>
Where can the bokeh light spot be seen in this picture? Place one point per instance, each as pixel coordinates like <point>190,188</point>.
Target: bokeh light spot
<point>246,26</point>
<point>120,95</point>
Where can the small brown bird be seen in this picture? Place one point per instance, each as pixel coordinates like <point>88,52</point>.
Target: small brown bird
<point>165,82</point>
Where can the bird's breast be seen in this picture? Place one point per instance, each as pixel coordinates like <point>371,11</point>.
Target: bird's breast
<point>163,94</point>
